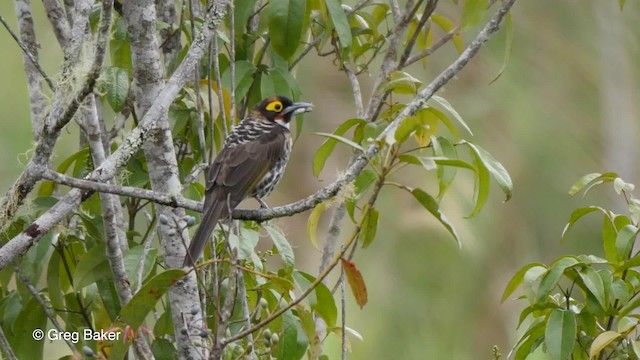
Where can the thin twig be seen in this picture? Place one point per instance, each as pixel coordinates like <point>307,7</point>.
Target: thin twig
<point>7,351</point>
<point>47,311</point>
<point>431,49</point>
<point>28,53</point>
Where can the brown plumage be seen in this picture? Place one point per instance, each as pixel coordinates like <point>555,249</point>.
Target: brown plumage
<point>250,163</point>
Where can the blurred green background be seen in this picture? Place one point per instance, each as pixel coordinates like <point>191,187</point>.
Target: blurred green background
<point>566,105</point>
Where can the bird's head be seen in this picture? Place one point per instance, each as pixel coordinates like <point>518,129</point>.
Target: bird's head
<point>280,109</point>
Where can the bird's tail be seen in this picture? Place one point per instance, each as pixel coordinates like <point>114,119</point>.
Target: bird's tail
<point>209,221</point>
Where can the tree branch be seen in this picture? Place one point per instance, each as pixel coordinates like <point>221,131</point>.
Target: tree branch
<point>20,243</point>
<point>61,113</point>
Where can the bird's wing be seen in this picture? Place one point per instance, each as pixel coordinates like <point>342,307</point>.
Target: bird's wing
<point>238,169</point>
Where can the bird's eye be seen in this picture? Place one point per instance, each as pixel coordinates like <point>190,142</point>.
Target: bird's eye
<point>275,106</point>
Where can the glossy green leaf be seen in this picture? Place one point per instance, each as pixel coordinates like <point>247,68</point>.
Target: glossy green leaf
<point>496,169</point>
<point>590,180</point>
<point>517,279</point>
<point>340,23</point>
<point>327,147</point>
<point>282,244</point>
<point>312,224</point>
<point>274,83</point>
<point>342,140</point>
<point>446,174</point>
<point>293,342</point>
<point>245,71</point>
<point>92,266</point>
<point>601,342</point>
<point>369,227</point>
<point>323,302</point>
<point>245,242</point>
<point>30,318</point>
<point>482,185</point>
<point>625,240</point>
<point>364,181</point>
<point>427,163</point>
<point>132,260</point>
<point>286,18</point>
<point>560,333</point>
<point>594,284</point>
<point>402,82</point>
<point>442,104</point>
<point>577,214</point>
<point>115,84</point>
<point>144,301</point>
<point>553,275</point>
<point>431,204</point>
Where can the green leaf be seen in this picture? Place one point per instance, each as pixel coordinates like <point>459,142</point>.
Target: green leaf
<point>144,301</point>
<point>364,181</point>
<point>285,25</point>
<point>473,13</point>
<point>601,342</point>
<point>326,148</point>
<point>163,349</point>
<point>30,318</point>
<point>115,84</point>
<point>577,214</point>
<point>323,302</point>
<point>293,344</point>
<point>594,284</point>
<point>590,180</point>
<point>284,248</point>
<point>446,174</point>
<point>482,185</point>
<point>624,241</point>
<point>245,242</point>
<point>553,275</point>
<point>243,80</point>
<point>448,26</point>
<point>508,46</point>
<point>560,333</point>
<point>402,82</point>
<point>431,204</point>
<point>92,266</point>
<point>274,84</point>
<point>445,106</point>
<point>312,224</point>
<point>341,139</point>
<point>496,169</point>
<point>427,163</point>
<point>516,280</point>
<point>132,259</point>
<point>341,24</point>
<point>369,227</point>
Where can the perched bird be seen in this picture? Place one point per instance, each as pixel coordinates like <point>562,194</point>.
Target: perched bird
<point>250,163</point>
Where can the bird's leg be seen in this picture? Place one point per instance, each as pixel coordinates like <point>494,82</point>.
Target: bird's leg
<point>263,205</point>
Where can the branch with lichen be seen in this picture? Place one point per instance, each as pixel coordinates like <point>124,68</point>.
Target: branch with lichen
<point>130,145</point>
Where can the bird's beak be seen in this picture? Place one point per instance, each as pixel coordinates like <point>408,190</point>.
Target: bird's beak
<point>297,108</point>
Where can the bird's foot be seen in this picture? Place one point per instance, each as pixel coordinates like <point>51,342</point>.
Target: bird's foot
<point>263,205</point>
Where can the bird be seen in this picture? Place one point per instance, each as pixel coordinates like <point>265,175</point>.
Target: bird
<point>250,164</point>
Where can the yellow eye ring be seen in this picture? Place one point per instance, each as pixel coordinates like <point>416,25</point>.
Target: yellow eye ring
<point>275,106</point>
